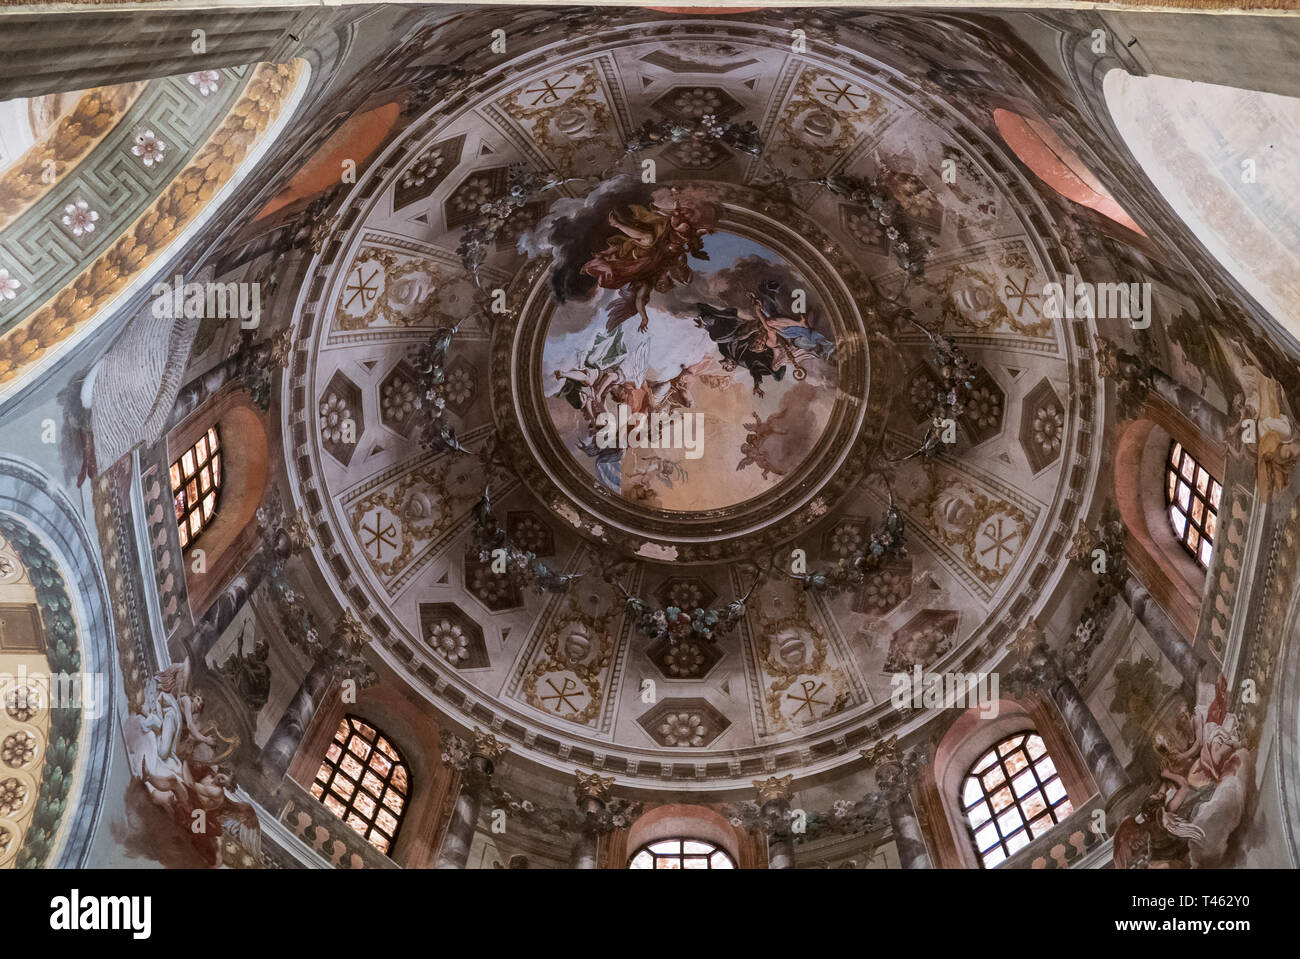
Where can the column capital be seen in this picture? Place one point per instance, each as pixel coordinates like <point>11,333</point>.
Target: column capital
<point>488,746</point>
<point>592,786</point>
<point>896,768</point>
<point>774,789</point>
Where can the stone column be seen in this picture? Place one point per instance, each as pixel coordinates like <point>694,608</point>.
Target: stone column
<point>51,52</point>
<point>475,764</point>
<point>1045,671</point>
<point>334,660</point>
<point>896,771</point>
<point>774,800</point>
<point>592,795</point>
<point>1162,629</point>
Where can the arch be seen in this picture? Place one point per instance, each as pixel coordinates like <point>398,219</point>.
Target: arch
<point>969,738</point>
<point>1054,162</point>
<point>1153,550</point>
<point>32,502</point>
<point>407,721</point>
<point>1012,795</point>
<point>681,820</point>
<point>1220,156</point>
<point>245,463</point>
<point>364,780</point>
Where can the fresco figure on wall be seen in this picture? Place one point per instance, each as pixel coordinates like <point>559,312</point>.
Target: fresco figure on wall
<point>1200,799</point>
<point>1263,401</point>
<point>649,249</point>
<point>178,763</point>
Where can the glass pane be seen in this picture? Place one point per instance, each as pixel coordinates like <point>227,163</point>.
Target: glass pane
<point>1054,790</point>
<point>213,443</point>
<point>185,536</point>
<point>364,805</point>
<point>1010,821</point>
<point>1035,746</point>
<point>1062,810</point>
<point>994,857</point>
<point>176,475</point>
<point>1211,524</point>
<point>359,746</point>
<point>988,760</point>
<point>373,783</point>
<point>1034,805</point>
<point>972,792</point>
<point>1202,481</point>
<point>386,821</point>
<point>1189,468</point>
<point>196,523</point>
<point>1019,841</point>
<point>1193,539</point>
<point>380,764</point>
<point>695,862</point>
<point>720,861</point>
<point>1198,509</point>
<point>351,767</point>
<point>1008,747</point>
<point>1016,762</point>
<point>670,846</point>
<point>1206,550</point>
<point>205,479</point>
<point>192,492</point>
<point>1171,485</point>
<point>1176,454</point>
<point>642,860</point>
<point>1046,768</point>
<point>201,452</point>
<point>187,464</point>
<point>1216,491</point>
<point>668,862</point>
<point>1041,825</point>
<point>216,470</point>
<point>1184,495</point>
<point>343,787</point>
<point>386,748</point>
<point>1001,799</point>
<point>979,815</point>
<point>209,506</point>
<point>379,842</point>
<point>1024,783</point>
<point>394,801</point>
<point>695,846</point>
<point>1179,521</point>
<point>986,837</point>
<point>399,778</point>
<point>994,778</point>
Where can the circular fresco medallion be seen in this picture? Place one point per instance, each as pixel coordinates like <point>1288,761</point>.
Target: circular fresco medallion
<point>695,370</point>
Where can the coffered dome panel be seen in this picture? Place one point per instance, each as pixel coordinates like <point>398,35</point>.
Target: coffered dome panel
<point>721,277</point>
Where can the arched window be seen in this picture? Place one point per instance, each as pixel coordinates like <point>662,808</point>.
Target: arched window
<point>681,854</point>
<point>365,782</point>
<point>1192,495</point>
<point>1011,796</point>
<point>196,486</point>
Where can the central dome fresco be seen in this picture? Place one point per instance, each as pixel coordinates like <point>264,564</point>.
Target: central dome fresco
<point>690,301</point>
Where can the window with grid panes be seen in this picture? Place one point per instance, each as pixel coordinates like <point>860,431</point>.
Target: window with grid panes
<point>680,854</point>
<point>365,782</point>
<point>1192,496</point>
<point>1011,796</point>
<point>196,486</point>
